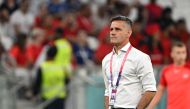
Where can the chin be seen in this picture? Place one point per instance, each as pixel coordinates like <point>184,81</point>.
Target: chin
<point>113,43</point>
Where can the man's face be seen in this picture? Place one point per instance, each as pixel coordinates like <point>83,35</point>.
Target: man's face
<point>179,54</point>
<point>119,32</point>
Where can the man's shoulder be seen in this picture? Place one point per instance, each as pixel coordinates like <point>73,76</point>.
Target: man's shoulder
<point>107,57</point>
<point>139,54</point>
<point>167,68</point>
<point>187,68</point>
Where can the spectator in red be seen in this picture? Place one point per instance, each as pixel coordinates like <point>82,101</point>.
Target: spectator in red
<point>139,40</point>
<point>70,27</point>
<point>49,24</point>
<point>18,51</point>
<point>155,45</point>
<point>154,11</point>
<point>166,41</point>
<point>105,47</point>
<point>35,45</point>
<point>182,32</point>
<point>104,33</point>
<point>84,18</point>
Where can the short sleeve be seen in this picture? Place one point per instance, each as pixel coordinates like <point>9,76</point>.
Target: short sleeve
<point>162,78</point>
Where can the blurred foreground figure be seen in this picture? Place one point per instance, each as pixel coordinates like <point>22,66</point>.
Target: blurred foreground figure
<point>176,79</point>
<point>51,82</point>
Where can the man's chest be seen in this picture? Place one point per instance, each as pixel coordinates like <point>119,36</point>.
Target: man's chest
<point>127,71</point>
<point>178,77</point>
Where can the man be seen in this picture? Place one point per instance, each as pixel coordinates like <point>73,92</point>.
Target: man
<point>128,72</point>
<point>176,79</point>
<point>51,81</point>
<point>25,22</point>
<point>64,49</point>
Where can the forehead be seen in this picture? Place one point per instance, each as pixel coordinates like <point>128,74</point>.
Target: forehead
<point>118,23</point>
<point>176,48</point>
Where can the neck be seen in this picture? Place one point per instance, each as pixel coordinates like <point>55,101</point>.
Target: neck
<point>179,63</point>
<point>117,47</point>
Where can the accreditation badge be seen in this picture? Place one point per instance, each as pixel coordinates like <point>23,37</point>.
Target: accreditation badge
<point>113,96</point>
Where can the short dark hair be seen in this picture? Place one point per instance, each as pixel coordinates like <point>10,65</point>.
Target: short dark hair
<point>178,44</point>
<point>51,52</point>
<point>122,18</point>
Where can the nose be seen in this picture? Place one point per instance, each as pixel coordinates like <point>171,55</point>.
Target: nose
<point>112,32</point>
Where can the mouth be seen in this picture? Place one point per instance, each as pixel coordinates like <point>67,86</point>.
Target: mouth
<point>113,37</point>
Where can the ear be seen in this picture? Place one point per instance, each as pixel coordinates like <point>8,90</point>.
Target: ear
<point>129,33</point>
<point>171,54</point>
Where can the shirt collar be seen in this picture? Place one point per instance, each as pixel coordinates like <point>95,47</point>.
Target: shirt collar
<point>124,49</point>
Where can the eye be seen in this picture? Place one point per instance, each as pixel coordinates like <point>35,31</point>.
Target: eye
<point>118,29</point>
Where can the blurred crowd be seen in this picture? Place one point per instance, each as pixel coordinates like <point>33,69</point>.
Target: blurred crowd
<point>24,34</point>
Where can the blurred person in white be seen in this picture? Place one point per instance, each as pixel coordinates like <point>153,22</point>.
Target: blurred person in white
<point>5,38</point>
<point>175,78</point>
<point>101,18</point>
<point>22,20</point>
<point>7,81</point>
<point>128,73</point>
<point>2,52</point>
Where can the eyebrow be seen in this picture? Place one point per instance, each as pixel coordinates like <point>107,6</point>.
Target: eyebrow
<point>116,28</point>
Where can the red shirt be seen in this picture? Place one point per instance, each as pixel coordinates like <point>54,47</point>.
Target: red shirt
<point>177,81</point>
<point>135,39</point>
<point>33,52</point>
<point>166,43</point>
<point>154,11</point>
<point>156,56</point>
<point>102,51</point>
<point>85,23</point>
<point>104,33</point>
<point>19,56</point>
